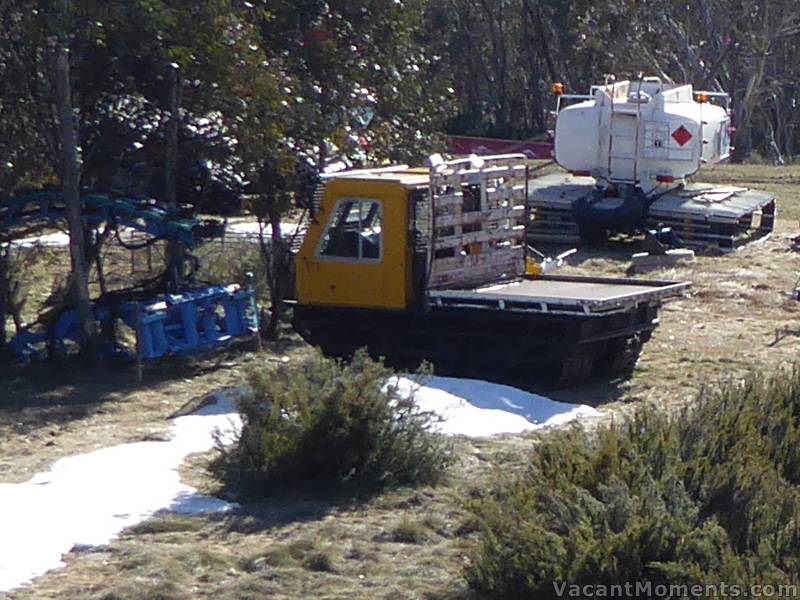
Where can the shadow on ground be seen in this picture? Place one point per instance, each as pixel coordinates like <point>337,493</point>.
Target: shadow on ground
<point>56,392</point>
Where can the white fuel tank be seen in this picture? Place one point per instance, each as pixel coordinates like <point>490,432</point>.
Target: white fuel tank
<point>646,133</point>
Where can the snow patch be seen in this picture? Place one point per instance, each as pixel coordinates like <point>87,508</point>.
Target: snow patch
<point>86,500</point>
<point>250,229</point>
<point>478,408</point>
<point>55,239</point>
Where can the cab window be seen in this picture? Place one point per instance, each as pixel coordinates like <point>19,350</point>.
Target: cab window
<point>354,231</point>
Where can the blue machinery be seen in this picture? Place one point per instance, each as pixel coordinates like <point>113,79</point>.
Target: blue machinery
<point>179,324</point>
<point>142,214</point>
<point>195,320</point>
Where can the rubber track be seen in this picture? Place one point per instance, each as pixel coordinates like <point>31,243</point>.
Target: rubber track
<point>513,348</point>
<point>554,225</point>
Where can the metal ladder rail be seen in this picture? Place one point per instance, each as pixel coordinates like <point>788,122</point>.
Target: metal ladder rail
<point>635,137</point>
<point>638,125</point>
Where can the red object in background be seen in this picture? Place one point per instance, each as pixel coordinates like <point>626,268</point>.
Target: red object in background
<point>464,144</point>
<point>319,35</point>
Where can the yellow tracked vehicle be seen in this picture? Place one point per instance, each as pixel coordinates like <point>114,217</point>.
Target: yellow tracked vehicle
<point>430,264</point>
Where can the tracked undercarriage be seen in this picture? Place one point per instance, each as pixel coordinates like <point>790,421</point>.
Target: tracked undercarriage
<point>508,347</point>
<point>701,216</point>
<point>546,330</point>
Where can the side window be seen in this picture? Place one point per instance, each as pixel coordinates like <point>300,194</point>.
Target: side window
<point>354,231</point>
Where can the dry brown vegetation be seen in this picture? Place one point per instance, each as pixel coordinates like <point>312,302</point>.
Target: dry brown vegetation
<point>405,543</point>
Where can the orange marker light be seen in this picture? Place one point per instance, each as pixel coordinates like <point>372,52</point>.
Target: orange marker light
<point>701,98</point>
<point>558,88</point>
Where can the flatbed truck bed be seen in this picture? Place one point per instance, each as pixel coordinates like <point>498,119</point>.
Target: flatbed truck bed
<point>561,294</point>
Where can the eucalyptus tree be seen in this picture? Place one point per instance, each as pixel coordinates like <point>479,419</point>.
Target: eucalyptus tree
<point>370,81</point>
<point>36,57</point>
<point>85,82</point>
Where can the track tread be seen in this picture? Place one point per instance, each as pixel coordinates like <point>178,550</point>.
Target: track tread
<point>479,344</point>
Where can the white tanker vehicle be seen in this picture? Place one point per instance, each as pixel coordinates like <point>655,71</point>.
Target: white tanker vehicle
<point>628,147</point>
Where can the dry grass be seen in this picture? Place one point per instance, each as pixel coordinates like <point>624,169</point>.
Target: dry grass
<point>407,544</point>
<point>739,315</point>
<point>401,544</point>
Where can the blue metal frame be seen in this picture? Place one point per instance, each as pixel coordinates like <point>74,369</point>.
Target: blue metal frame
<point>193,322</point>
<point>197,320</point>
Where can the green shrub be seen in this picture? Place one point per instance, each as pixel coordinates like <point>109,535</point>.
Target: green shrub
<point>327,422</point>
<point>710,496</point>
<point>306,552</point>
<point>320,561</point>
<point>230,263</point>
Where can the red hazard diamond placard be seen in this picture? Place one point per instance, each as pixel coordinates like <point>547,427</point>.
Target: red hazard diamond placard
<point>681,135</point>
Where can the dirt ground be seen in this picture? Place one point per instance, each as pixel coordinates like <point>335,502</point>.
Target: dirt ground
<point>740,314</point>
<point>739,317</point>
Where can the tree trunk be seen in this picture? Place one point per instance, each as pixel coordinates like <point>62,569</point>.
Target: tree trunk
<point>536,18</point>
<point>277,272</point>
<point>70,184</point>
<point>12,297</point>
<point>97,251</point>
<point>171,155</point>
<point>174,252</point>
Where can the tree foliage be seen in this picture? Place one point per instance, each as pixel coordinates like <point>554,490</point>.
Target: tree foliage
<point>505,55</point>
<point>712,495</point>
<point>369,80</point>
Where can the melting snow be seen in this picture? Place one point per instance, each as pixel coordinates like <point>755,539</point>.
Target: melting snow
<point>54,239</point>
<point>479,408</point>
<point>250,229</point>
<point>86,500</point>
<point>244,229</point>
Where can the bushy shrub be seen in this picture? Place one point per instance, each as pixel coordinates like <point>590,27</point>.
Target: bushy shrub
<point>328,422</point>
<point>229,263</point>
<point>710,496</point>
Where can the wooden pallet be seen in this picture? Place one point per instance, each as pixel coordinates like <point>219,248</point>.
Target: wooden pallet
<point>478,221</point>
